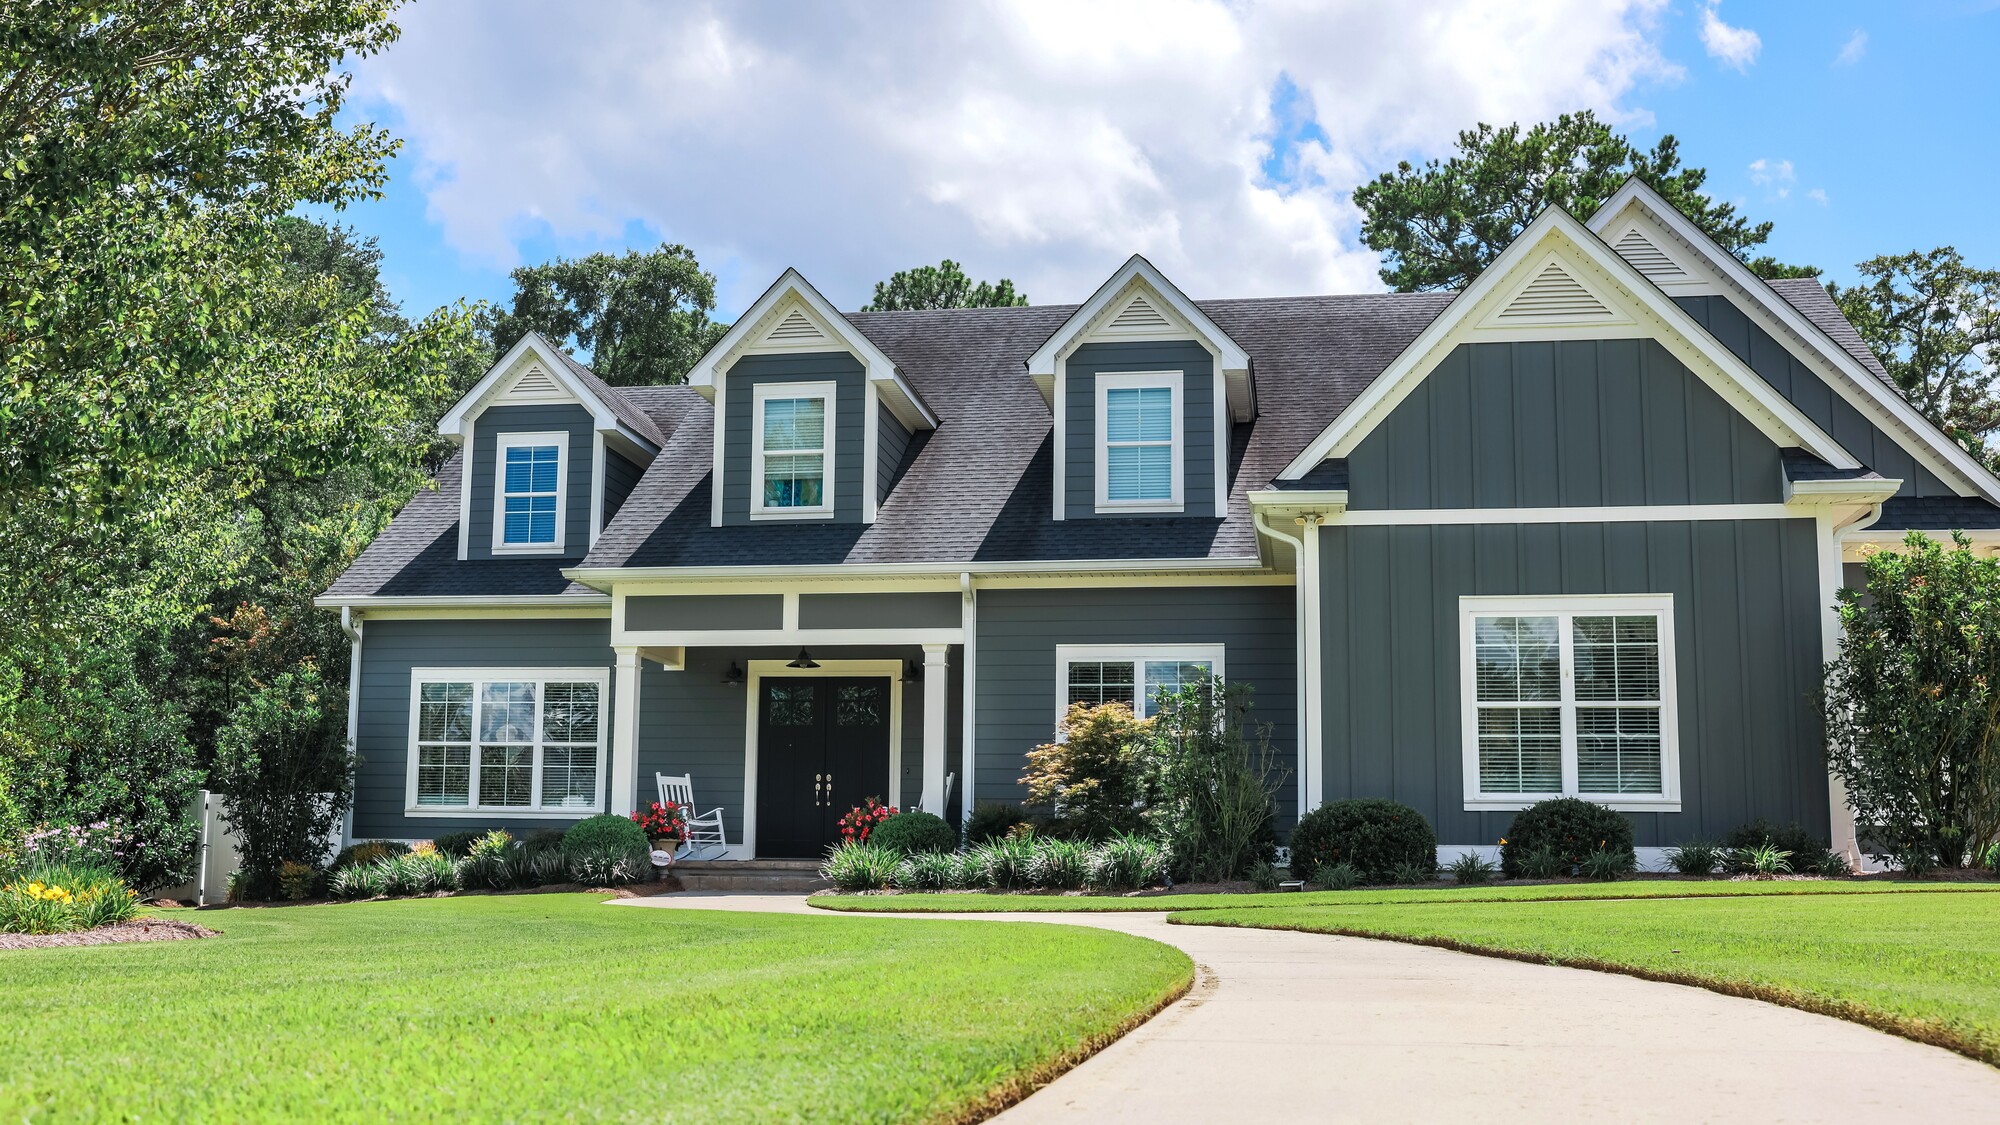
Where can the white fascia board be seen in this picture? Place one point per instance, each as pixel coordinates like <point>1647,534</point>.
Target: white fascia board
<point>467,601</point>
<point>1231,360</point>
<point>1817,493</point>
<point>1857,384</point>
<point>705,377</point>
<point>603,577</point>
<point>602,417</point>
<point>1773,414</point>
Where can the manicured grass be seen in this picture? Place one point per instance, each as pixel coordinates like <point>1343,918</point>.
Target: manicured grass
<point>1922,965</point>
<point>545,1007</point>
<point>1634,888</point>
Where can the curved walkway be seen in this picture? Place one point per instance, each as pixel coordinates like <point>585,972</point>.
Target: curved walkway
<point>1290,1026</point>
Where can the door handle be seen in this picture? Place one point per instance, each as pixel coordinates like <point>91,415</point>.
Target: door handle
<point>816,790</point>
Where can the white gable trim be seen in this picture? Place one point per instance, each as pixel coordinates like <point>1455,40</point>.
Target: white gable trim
<point>1716,271</point>
<point>1557,236</point>
<point>494,387</point>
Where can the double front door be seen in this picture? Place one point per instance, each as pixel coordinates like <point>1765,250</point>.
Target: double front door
<point>822,749</point>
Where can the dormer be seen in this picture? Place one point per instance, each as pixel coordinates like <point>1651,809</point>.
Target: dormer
<point>811,418</point>
<point>1144,388</point>
<point>549,454</point>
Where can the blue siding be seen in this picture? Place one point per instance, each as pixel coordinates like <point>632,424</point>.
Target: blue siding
<point>620,477</point>
<point>1199,440</point>
<point>496,420</point>
<point>892,441</point>
<point>850,427</point>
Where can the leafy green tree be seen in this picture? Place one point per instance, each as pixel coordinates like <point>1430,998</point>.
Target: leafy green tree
<point>1091,781</point>
<point>1439,225</point>
<point>644,318</point>
<point>286,774</point>
<point>943,286</point>
<point>1913,702</point>
<point>1934,322</point>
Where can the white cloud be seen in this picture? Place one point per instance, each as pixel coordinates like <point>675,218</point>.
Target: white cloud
<point>1732,46</point>
<point>1818,195</point>
<point>1855,48</point>
<point>1037,140</point>
<point>1777,175</point>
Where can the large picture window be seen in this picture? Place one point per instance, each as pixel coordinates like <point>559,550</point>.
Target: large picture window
<point>792,453</point>
<point>532,473</point>
<point>1569,697</point>
<point>1139,441</point>
<point>1134,676</point>
<point>523,741</point>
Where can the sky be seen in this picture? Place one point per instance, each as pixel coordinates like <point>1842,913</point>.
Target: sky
<point>1048,141</point>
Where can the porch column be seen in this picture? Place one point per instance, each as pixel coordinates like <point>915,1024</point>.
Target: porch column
<point>937,701</point>
<point>624,764</point>
<point>1312,786</point>
<point>1840,818</point>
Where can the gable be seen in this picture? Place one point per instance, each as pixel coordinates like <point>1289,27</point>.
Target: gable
<point>1549,294</point>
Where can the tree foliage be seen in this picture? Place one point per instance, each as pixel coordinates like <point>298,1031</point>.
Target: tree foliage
<point>1214,782</point>
<point>943,286</point>
<point>1091,781</point>
<point>1913,702</point>
<point>285,771</point>
<point>1440,224</point>
<point>1934,322</point>
<point>644,318</point>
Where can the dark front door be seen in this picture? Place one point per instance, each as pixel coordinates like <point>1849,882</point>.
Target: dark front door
<point>822,749</point>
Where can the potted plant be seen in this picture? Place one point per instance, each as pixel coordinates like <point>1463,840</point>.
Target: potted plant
<point>862,819</point>
<point>663,825</point>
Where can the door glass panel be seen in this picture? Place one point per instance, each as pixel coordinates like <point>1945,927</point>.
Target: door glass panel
<point>858,705</point>
<point>789,705</point>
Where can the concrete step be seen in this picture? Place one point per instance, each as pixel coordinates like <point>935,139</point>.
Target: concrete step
<point>771,876</point>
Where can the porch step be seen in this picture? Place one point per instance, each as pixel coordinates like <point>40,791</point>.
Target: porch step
<point>772,876</point>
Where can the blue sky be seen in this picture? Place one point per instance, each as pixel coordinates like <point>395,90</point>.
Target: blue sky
<point>1047,142</point>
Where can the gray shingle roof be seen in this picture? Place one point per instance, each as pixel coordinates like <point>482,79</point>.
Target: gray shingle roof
<point>1802,465</point>
<point>627,410</point>
<point>1807,295</point>
<point>1937,513</point>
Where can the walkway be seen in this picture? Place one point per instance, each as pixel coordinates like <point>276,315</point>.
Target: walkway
<point>1287,1026</point>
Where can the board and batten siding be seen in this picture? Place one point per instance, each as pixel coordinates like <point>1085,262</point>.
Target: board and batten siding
<point>1746,634</point>
<point>850,437</point>
<point>1558,424</point>
<point>892,441</point>
<point>1018,631</point>
<point>390,649</point>
<point>1806,390</point>
<point>496,420</point>
<point>1198,438</point>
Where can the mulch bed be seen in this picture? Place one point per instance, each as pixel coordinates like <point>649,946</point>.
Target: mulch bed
<point>143,929</point>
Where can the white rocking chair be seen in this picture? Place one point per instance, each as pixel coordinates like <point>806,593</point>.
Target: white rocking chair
<point>704,831</point>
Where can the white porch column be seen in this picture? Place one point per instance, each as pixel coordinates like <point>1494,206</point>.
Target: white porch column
<point>937,702</point>
<point>1841,818</point>
<point>1312,785</point>
<point>624,764</point>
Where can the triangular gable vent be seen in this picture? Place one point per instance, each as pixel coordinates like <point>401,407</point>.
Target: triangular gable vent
<point>1554,295</point>
<point>534,382</point>
<point>1647,258</point>
<point>796,328</point>
<point>1139,315</point>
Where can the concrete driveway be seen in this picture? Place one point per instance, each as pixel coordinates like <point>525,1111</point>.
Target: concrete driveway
<point>1287,1026</point>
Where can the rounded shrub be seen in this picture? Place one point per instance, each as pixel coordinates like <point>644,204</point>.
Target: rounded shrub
<point>908,833</point>
<point>992,820</point>
<point>605,833</point>
<point>1371,835</point>
<point>1568,829</point>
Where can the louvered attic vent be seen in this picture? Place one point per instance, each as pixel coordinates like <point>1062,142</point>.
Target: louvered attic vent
<point>1138,316</point>
<point>1554,295</point>
<point>535,381</point>
<point>1647,258</point>
<point>796,328</point>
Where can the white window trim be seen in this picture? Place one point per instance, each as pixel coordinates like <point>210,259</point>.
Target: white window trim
<point>540,677</point>
<point>501,445</point>
<point>759,395</point>
<point>1136,655</point>
<point>1566,607</point>
<point>1108,381</point>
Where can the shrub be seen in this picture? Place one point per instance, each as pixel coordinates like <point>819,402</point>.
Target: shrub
<point>912,832</point>
<point>367,851</point>
<point>1007,863</point>
<point>1414,874</point>
<point>1264,877</point>
<point>1372,834</point>
<point>1606,865</point>
<point>1213,777</point>
<point>600,864</point>
<point>990,820</point>
<point>1091,780</point>
<point>527,868</point>
<point>458,845</point>
<point>542,840</point>
<point>1058,864</point>
<point>349,882</point>
<point>297,881</point>
<point>285,771</point>
<point>1127,863</point>
<point>1568,827</point>
<point>1832,866</point>
<point>1337,876</point>
<point>605,832</point>
<point>490,862</point>
<point>927,871</point>
<point>859,867</point>
<point>859,823</point>
<point>1765,861</point>
<point>1471,867</point>
<point>50,898</point>
<point>1803,847</point>
<point>1697,857</point>
<point>968,871</point>
<point>1544,863</point>
<point>426,870</point>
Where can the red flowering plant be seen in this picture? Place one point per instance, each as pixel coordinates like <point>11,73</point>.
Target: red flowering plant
<point>662,821</point>
<point>862,819</point>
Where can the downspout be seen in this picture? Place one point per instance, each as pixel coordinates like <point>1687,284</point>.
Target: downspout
<point>351,625</point>
<point>969,692</point>
<point>1298,648</point>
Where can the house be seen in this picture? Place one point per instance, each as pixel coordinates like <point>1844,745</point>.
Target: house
<point>1576,529</point>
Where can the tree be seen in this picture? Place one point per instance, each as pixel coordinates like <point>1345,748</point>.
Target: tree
<point>1913,702</point>
<point>943,286</point>
<point>1441,224</point>
<point>1934,322</point>
<point>286,774</point>
<point>1091,779</point>
<point>644,318</point>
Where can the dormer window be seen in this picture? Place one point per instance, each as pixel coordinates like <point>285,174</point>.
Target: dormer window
<point>1139,441</point>
<point>533,473</point>
<point>792,454</point>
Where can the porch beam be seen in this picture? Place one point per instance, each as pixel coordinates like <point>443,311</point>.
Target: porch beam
<point>937,696</point>
<point>624,765</point>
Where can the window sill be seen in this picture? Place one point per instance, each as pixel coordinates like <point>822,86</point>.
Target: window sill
<point>1513,803</point>
<point>785,514</point>
<point>461,812</point>
<point>1138,508</point>
<point>537,549</point>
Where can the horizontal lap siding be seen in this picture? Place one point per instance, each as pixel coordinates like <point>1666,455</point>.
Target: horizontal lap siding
<point>1018,631</point>
<point>1197,418</point>
<point>620,477</point>
<point>891,441</point>
<point>497,420</point>
<point>1747,635</point>
<point>850,439</point>
<point>390,649</point>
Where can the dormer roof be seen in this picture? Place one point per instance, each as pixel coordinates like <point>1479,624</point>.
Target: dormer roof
<point>536,371</point>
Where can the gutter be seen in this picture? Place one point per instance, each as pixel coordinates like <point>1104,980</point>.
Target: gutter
<point>379,601</point>
<point>600,576</point>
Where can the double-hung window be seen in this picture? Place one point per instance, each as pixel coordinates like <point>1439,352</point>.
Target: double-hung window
<point>792,450</point>
<point>527,741</point>
<point>1569,697</point>
<point>532,474</point>
<point>1139,441</point>
<point>1134,676</point>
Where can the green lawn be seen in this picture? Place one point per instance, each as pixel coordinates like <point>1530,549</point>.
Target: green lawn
<point>558,1007</point>
<point>1923,965</point>
<point>1636,888</point>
